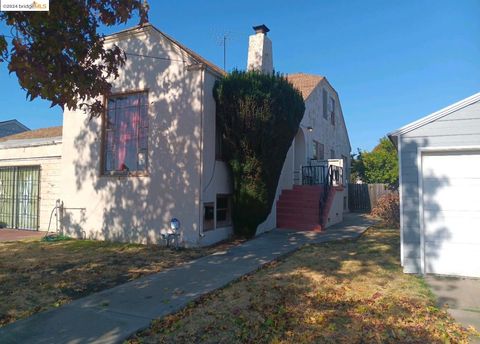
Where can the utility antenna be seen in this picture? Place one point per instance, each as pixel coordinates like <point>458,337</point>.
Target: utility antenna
<point>222,40</point>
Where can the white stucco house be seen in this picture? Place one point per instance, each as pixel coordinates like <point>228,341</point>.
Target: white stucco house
<point>439,161</point>
<point>154,154</point>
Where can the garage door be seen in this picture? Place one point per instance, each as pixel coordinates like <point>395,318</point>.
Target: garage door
<point>19,197</point>
<point>451,212</point>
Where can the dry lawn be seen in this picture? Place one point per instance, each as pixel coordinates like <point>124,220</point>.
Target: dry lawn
<point>35,275</point>
<point>344,292</point>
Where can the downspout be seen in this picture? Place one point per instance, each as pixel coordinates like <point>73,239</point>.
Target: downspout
<point>200,222</point>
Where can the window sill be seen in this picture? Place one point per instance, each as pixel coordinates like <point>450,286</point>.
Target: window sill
<point>125,174</point>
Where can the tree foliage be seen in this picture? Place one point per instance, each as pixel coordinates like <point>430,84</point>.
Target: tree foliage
<point>378,166</point>
<point>259,116</point>
<point>59,55</point>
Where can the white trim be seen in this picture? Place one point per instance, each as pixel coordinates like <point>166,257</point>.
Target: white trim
<point>436,115</point>
<point>420,209</point>
<point>420,152</point>
<point>400,195</point>
<point>26,143</point>
<point>36,158</point>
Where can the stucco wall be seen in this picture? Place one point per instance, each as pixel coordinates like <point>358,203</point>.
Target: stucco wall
<point>48,158</point>
<point>137,208</point>
<point>215,176</point>
<point>461,128</point>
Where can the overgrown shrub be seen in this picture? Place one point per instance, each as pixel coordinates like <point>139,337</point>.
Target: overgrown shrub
<point>388,209</point>
<point>258,116</point>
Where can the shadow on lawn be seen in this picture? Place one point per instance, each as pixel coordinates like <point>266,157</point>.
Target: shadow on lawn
<point>344,292</point>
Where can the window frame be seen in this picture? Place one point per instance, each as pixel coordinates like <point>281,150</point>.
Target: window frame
<point>228,222</point>
<point>332,112</point>
<point>315,150</point>
<point>103,172</point>
<point>211,223</point>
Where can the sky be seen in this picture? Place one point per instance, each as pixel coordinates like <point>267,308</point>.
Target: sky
<point>391,62</point>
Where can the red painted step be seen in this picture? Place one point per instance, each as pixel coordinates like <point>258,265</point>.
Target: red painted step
<point>299,208</point>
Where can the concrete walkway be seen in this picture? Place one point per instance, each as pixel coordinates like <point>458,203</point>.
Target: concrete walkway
<point>461,296</point>
<point>113,315</point>
<point>18,234</point>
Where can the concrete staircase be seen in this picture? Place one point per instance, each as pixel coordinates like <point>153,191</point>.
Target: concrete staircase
<point>299,208</point>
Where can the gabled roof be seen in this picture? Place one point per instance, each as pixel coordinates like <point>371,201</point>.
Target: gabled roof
<point>305,83</point>
<point>211,66</point>
<point>434,116</point>
<point>12,121</point>
<point>35,134</point>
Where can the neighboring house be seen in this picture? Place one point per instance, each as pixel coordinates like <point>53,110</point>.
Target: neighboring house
<point>30,164</point>
<point>439,158</point>
<point>156,155</point>
<point>11,127</point>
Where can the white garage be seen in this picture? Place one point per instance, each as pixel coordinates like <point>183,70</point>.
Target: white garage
<point>439,158</point>
<point>450,190</point>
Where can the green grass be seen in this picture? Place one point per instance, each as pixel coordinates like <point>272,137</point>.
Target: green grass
<point>343,292</point>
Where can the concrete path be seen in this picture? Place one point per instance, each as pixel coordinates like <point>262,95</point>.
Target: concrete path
<point>114,314</point>
<point>17,234</point>
<point>462,297</point>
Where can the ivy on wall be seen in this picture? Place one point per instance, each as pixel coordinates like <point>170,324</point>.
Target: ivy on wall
<point>258,116</point>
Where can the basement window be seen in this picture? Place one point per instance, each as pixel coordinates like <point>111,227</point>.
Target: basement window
<point>224,213</point>
<point>208,216</point>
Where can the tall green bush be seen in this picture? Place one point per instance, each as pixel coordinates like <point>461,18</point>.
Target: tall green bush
<point>258,116</point>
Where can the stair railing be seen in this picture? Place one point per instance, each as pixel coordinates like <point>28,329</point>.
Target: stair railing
<point>334,178</point>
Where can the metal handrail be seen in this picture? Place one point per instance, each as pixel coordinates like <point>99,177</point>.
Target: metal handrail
<point>313,175</point>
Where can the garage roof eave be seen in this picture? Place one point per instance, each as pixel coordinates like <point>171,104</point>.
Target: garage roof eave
<point>31,142</point>
<point>434,116</point>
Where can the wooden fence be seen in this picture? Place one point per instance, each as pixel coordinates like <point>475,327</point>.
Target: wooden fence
<point>364,197</point>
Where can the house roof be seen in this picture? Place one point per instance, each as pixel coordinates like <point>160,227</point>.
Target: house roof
<point>305,83</point>
<point>214,68</point>
<point>35,134</point>
<point>12,121</point>
<point>433,117</point>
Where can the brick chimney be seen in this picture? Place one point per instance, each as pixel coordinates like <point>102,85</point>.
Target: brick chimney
<point>260,51</point>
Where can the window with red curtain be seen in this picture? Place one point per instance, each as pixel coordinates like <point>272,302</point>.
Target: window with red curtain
<point>126,133</point>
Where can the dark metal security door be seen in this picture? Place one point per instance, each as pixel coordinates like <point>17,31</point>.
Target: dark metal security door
<point>19,197</point>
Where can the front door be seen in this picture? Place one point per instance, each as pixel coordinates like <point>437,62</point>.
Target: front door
<point>19,197</point>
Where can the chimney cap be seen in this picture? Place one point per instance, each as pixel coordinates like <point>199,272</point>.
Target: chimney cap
<point>261,29</point>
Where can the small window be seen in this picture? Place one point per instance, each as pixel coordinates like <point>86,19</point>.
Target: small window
<point>224,217</point>
<point>344,202</point>
<point>125,144</point>
<point>331,109</point>
<point>321,151</point>
<point>208,216</point>
<point>318,151</point>
<point>325,107</point>
<point>315,150</point>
